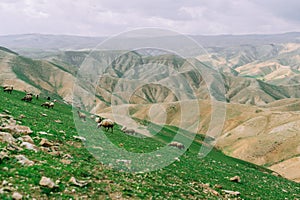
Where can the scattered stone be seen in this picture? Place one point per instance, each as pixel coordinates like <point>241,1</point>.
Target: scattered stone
<point>26,138</point>
<point>29,146</point>
<point>47,182</point>
<point>21,116</point>
<point>79,138</point>
<point>236,179</point>
<point>44,115</point>
<point>17,130</point>
<point>5,169</point>
<point>4,182</point>
<point>67,156</point>
<point>177,159</point>
<point>7,111</point>
<point>233,193</point>
<point>54,148</point>
<point>77,182</point>
<point>24,161</point>
<point>218,186</point>
<point>46,143</point>
<point>208,189</point>
<point>17,196</point>
<point>65,161</point>
<point>43,133</point>
<point>6,137</point>
<point>13,147</point>
<point>62,131</point>
<point>58,121</point>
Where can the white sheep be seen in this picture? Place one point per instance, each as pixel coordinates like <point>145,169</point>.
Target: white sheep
<point>48,104</point>
<point>8,88</point>
<point>107,124</point>
<point>177,145</point>
<point>128,131</point>
<point>98,119</point>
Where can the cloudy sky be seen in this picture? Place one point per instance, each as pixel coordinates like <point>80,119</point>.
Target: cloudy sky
<point>109,17</point>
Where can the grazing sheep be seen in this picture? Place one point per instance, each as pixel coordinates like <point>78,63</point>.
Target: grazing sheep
<point>48,104</point>
<point>107,124</point>
<point>27,98</point>
<point>98,119</point>
<point>8,88</point>
<point>51,105</point>
<point>81,115</point>
<point>177,144</point>
<point>128,131</point>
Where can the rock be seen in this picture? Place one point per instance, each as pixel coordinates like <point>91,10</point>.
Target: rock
<point>29,146</point>
<point>4,182</point>
<point>58,121</point>
<point>46,143</point>
<point>13,147</point>
<point>5,169</point>
<point>77,182</point>
<point>6,137</point>
<point>44,115</point>
<point>7,111</point>
<point>26,138</point>
<point>23,160</point>
<point>21,116</point>
<point>67,156</point>
<point>17,196</point>
<point>218,186</point>
<point>17,130</point>
<point>65,161</point>
<point>43,133</point>
<point>233,193</point>
<point>236,179</point>
<point>47,182</point>
<point>79,138</point>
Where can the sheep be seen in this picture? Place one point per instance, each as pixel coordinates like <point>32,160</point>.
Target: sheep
<point>128,131</point>
<point>107,124</point>
<point>81,115</point>
<point>51,105</point>
<point>177,145</point>
<point>8,88</point>
<point>27,98</point>
<point>98,119</point>
<point>48,104</point>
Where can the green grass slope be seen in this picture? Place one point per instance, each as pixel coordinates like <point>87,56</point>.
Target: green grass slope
<point>182,179</point>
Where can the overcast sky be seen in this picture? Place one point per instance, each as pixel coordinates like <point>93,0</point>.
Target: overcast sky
<point>110,17</point>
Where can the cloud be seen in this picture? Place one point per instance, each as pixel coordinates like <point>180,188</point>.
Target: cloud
<point>106,17</point>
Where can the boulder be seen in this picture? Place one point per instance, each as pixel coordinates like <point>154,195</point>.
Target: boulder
<point>6,137</point>
<point>47,182</point>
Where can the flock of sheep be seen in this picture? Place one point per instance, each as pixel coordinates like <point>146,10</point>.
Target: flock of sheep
<point>29,96</point>
<point>101,122</point>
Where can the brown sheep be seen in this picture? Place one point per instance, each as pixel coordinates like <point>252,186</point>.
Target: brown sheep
<point>177,144</point>
<point>27,98</point>
<point>107,124</point>
<point>81,115</point>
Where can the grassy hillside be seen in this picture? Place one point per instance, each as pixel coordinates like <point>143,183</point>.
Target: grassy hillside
<point>182,179</point>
